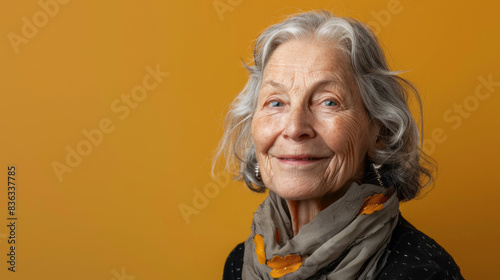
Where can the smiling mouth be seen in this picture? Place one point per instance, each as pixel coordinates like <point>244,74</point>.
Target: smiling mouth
<point>298,159</point>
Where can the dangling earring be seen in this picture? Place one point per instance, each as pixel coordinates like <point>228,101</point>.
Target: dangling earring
<point>257,171</point>
<point>376,167</point>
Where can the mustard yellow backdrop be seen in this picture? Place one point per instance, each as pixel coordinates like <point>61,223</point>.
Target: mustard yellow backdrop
<point>111,110</point>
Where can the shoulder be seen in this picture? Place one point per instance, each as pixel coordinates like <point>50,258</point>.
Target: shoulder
<point>234,263</point>
<point>414,255</point>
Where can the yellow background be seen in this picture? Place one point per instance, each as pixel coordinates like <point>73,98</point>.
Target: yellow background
<point>119,208</point>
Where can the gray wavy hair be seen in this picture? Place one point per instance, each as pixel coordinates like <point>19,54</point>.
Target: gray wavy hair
<point>385,95</point>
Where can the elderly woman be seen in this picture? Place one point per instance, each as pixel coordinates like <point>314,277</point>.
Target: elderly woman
<point>324,125</point>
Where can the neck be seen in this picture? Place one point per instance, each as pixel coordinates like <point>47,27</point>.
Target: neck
<point>304,211</point>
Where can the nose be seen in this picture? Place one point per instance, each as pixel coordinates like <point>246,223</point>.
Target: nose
<point>298,125</point>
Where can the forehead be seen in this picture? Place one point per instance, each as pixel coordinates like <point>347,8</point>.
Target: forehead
<point>308,58</point>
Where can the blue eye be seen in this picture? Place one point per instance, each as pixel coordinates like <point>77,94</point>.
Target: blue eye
<point>330,103</point>
<point>276,104</point>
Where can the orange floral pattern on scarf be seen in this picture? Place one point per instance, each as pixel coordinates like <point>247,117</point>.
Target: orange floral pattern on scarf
<point>373,203</point>
<point>281,265</point>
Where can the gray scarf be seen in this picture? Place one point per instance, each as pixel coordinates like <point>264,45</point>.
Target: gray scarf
<point>341,242</point>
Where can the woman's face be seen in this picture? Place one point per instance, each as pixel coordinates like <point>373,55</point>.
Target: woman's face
<point>310,128</point>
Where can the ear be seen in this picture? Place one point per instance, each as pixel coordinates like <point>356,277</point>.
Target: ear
<point>376,136</point>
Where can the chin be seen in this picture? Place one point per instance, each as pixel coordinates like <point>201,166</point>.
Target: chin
<point>296,189</point>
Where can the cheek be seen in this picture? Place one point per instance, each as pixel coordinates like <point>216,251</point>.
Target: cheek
<point>347,136</point>
<point>264,132</point>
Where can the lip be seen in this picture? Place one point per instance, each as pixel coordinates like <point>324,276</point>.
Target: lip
<point>299,160</point>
